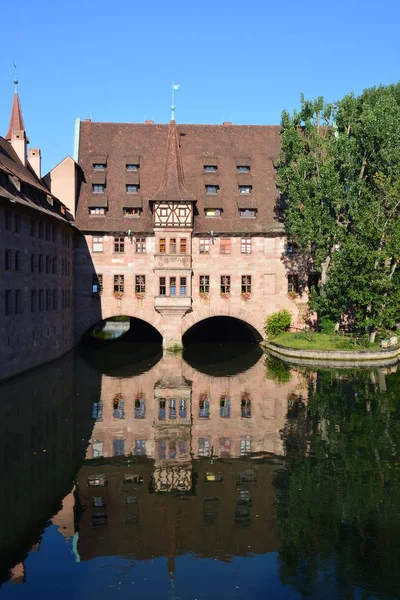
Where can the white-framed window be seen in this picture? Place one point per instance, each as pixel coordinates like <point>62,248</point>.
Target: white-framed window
<point>98,188</point>
<point>132,167</point>
<point>245,189</point>
<point>210,168</point>
<point>213,212</point>
<point>243,169</point>
<point>99,166</point>
<point>97,244</point>
<point>132,188</point>
<point>212,189</point>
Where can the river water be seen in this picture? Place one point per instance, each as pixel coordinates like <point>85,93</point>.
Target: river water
<point>219,474</point>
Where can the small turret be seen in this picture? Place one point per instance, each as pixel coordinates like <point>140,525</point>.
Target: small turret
<point>16,133</point>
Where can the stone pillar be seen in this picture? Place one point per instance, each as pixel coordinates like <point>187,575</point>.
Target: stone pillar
<point>172,327</point>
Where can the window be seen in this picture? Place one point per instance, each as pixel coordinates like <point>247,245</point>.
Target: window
<point>172,286</point>
<point>204,246</point>
<point>140,408</point>
<point>163,245</point>
<point>119,447</point>
<point>99,166</point>
<point>41,263</point>
<point>225,407</point>
<point>246,284</point>
<point>210,168</point>
<point>245,406</point>
<point>132,212</point>
<point>55,300</point>
<point>18,302</point>
<point>182,289</point>
<point>247,213</point>
<point>293,284</point>
<point>48,300</point>
<point>7,220</point>
<point>245,189</point>
<point>33,300</point>
<point>132,167</point>
<point>17,223</point>
<point>243,169</point>
<point>163,212</point>
<point>213,212</point>
<point>204,406</point>
<point>33,228</point>
<point>225,447</point>
<point>204,446</point>
<point>7,259</point>
<point>119,284</point>
<point>163,287</point>
<point>172,409</point>
<point>212,189</point>
<point>48,232</point>
<point>8,302</point>
<point>132,188</point>
<point>245,445</point>
<point>140,284</point>
<point>245,245</point>
<point>182,212</point>
<point>33,263</point>
<point>97,244</point>
<point>225,284</point>
<point>119,245</point>
<point>292,247</point>
<point>225,246</point>
<point>98,188</point>
<point>161,409</point>
<point>118,408</point>
<point>183,245</point>
<point>204,284</point>
<point>41,230</point>
<point>97,211</point>
<point>172,246</point>
<point>182,409</point>
<point>140,447</point>
<point>54,269</point>
<point>140,245</point>
<point>48,265</point>
<point>17,260</point>
<point>41,300</point>
<point>54,233</point>
<point>97,283</point>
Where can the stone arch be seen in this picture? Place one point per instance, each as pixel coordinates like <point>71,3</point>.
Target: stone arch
<point>237,313</point>
<point>149,317</point>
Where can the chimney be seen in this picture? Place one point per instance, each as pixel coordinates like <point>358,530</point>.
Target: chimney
<point>149,122</point>
<point>35,159</point>
<point>227,123</point>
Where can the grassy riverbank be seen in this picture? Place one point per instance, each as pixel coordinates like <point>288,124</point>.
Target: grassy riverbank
<point>320,341</point>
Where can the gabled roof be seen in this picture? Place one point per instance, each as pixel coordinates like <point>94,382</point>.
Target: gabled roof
<point>16,120</point>
<point>172,187</point>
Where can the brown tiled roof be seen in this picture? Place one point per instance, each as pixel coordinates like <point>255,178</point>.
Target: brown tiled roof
<point>11,165</point>
<point>223,145</point>
<point>16,120</point>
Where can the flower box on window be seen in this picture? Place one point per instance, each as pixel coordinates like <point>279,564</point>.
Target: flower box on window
<point>140,295</point>
<point>204,295</point>
<point>293,295</point>
<point>246,296</point>
<point>225,295</point>
<point>118,295</point>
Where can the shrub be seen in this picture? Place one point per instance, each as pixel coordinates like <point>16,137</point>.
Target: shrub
<point>277,323</point>
<point>326,325</point>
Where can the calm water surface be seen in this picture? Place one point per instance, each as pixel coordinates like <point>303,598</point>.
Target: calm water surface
<point>219,474</point>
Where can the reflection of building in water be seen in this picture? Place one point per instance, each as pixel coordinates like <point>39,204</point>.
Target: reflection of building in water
<point>176,429</point>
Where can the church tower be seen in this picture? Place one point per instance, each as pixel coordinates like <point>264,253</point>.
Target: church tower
<point>16,133</point>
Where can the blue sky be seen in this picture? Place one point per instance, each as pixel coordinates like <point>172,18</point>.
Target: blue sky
<point>243,61</point>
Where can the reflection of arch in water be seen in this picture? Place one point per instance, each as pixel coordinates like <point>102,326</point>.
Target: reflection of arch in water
<point>222,360</point>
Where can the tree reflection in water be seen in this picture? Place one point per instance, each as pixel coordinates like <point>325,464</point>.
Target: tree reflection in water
<point>338,498</point>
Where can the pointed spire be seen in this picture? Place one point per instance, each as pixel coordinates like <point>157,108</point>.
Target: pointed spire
<point>172,186</point>
<point>16,120</point>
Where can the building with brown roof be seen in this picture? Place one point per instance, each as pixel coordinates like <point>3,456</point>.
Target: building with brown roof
<point>36,258</point>
<point>179,224</point>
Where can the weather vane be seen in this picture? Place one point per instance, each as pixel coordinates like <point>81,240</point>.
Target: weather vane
<point>174,87</point>
<point>15,77</point>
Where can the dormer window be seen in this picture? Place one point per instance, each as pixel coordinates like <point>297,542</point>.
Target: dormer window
<point>245,189</point>
<point>132,167</point>
<point>99,166</point>
<point>243,169</point>
<point>132,188</point>
<point>213,212</point>
<point>210,168</point>
<point>98,188</point>
<point>132,212</point>
<point>247,213</point>
<point>212,189</point>
<point>97,210</point>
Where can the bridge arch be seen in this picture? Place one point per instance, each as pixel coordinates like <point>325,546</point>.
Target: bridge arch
<point>145,317</point>
<point>241,315</point>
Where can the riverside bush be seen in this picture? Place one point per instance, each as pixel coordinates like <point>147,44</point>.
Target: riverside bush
<point>277,323</point>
